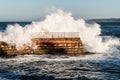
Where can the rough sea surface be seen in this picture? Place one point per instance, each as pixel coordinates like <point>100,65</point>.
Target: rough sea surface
<point>99,66</point>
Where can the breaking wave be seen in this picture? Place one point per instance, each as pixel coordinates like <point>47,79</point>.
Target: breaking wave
<point>60,21</point>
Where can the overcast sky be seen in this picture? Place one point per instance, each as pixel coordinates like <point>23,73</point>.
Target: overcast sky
<point>29,10</point>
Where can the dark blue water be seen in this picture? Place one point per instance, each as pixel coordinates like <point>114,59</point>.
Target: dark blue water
<point>3,25</point>
<point>110,28</point>
<point>47,67</point>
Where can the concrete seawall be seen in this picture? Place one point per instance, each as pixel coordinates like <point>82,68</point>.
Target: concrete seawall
<point>67,45</point>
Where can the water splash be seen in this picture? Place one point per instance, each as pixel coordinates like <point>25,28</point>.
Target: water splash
<point>60,21</point>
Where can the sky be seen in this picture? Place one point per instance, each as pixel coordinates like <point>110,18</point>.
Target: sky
<point>30,10</point>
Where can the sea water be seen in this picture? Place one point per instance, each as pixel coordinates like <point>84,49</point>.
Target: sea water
<point>103,65</point>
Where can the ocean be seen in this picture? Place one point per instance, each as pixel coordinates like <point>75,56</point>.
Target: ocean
<point>99,66</point>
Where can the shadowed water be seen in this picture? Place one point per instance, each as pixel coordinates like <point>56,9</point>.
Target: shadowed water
<point>46,67</point>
